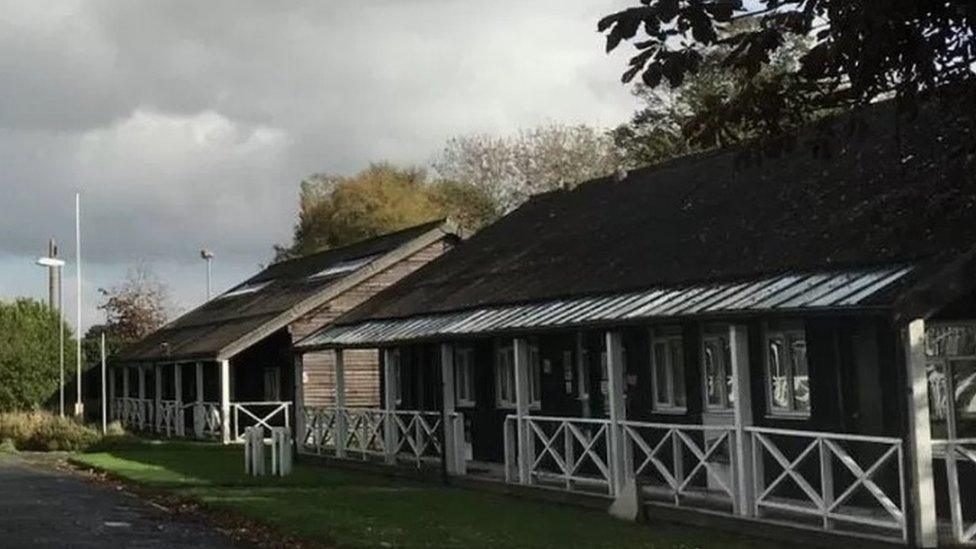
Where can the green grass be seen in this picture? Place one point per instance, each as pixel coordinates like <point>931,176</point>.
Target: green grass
<point>352,509</point>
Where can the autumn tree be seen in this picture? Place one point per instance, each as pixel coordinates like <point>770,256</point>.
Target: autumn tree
<point>512,168</point>
<point>859,51</point>
<point>135,307</point>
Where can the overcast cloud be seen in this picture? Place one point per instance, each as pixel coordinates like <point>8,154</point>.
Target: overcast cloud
<point>190,124</point>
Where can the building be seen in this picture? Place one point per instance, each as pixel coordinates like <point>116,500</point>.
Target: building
<point>227,364</point>
<point>783,341</point>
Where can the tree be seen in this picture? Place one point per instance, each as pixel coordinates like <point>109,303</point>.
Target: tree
<point>29,354</point>
<point>136,307</point>
<point>511,169</point>
<point>860,51</point>
<point>336,210</point>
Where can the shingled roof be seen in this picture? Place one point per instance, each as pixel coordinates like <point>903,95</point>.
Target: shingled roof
<point>897,191</point>
<point>274,297</point>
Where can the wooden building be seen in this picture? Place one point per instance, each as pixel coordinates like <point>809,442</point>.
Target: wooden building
<point>227,364</point>
<point>789,341</point>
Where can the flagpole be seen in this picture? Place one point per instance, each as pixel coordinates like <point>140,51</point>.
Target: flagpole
<point>79,407</point>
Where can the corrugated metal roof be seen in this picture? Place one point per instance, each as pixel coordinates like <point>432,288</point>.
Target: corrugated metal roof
<point>840,289</point>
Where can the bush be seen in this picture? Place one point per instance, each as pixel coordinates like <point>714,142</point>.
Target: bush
<point>29,355</point>
<point>42,431</point>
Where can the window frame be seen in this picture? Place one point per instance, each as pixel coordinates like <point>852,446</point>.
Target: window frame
<point>535,376</point>
<point>464,383</point>
<point>667,336</point>
<point>727,396</point>
<point>784,330</point>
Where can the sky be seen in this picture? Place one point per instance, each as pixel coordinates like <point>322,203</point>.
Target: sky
<point>187,125</point>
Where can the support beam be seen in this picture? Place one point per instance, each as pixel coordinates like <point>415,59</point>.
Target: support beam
<point>157,396</point>
<point>742,410</point>
<point>526,447</point>
<point>178,397</point>
<point>298,406</point>
<point>391,360</point>
<point>621,468</point>
<point>922,489</point>
<point>342,426</point>
<point>453,451</point>
<point>225,426</point>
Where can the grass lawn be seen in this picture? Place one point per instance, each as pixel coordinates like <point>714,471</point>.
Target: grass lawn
<point>353,509</point>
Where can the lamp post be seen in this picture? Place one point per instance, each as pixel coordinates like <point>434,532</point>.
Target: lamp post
<point>55,264</point>
<point>208,256</point>
<point>79,406</point>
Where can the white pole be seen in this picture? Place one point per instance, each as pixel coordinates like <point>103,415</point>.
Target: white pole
<point>79,407</point>
<point>61,340</point>
<point>104,397</point>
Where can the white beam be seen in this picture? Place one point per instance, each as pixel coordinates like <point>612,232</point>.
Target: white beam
<point>340,401</point>
<point>621,473</point>
<point>919,437</point>
<point>452,454</point>
<point>178,397</point>
<point>526,447</point>
<point>225,426</point>
<point>742,410</point>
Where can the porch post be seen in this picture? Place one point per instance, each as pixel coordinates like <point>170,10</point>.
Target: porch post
<point>620,472</point>
<point>225,427</point>
<point>922,490</point>
<point>452,453</point>
<point>342,428</point>
<point>526,448</point>
<point>299,400</point>
<point>198,412</point>
<point>178,397</point>
<point>742,410</point>
<point>157,395</point>
<point>142,397</point>
<point>391,440</point>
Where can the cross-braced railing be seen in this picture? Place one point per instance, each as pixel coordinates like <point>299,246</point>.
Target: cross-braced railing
<point>572,453</point>
<point>206,418</point>
<point>260,414</point>
<point>417,433</point>
<point>844,481</point>
<point>958,454</point>
<point>136,413</point>
<point>169,418</point>
<point>319,428</point>
<point>683,461</point>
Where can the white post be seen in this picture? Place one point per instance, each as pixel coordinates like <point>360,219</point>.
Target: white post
<point>178,397</point>
<point>742,410</point>
<point>526,447</point>
<point>225,426</point>
<point>340,402</point>
<point>391,358</point>
<point>158,395</point>
<point>616,372</point>
<point>919,437</point>
<point>79,405</point>
<point>199,420</point>
<point>299,398</point>
<point>105,395</point>
<point>452,451</point>
<point>142,396</point>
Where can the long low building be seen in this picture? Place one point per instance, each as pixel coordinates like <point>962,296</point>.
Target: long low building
<point>787,340</point>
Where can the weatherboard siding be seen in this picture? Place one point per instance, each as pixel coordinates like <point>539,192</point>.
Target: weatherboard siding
<point>362,366</point>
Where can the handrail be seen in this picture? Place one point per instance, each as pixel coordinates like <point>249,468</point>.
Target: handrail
<point>823,434</point>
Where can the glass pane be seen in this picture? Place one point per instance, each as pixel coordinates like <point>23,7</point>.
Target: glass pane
<point>778,382</point>
<point>660,374</point>
<point>938,399</point>
<point>678,373</point>
<point>801,375</point>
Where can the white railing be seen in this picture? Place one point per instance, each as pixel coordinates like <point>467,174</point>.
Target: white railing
<point>363,433</point>
<point>260,414</point>
<point>573,453</point>
<point>206,418</point>
<point>169,418</point>
<point>820,475</point>
<point>136,413</point>
<point>958,453</point>
<point>687,464</point>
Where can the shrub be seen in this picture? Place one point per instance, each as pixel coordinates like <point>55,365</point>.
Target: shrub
<point>29,354</point>
<point>42,431</point>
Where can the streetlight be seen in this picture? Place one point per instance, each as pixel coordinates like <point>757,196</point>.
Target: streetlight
<point>207,256</point>
<point>56,264</point>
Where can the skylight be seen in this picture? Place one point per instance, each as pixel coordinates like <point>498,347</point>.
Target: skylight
<point>247,288</point>
<point>344,267</point>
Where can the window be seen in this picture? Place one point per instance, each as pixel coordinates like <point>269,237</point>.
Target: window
<point>668,370</point>
<point>343,267</point>
<point>505,377</point>
<point>464,376</point>
<point>787,372</point>
<point>717,368</point>
<point>272,384</point>
<point>396,377</point>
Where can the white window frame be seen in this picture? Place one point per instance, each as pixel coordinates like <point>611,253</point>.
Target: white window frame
<point>535,376</point>
<point>464,381</point>
<point>667,337</point>
<point>717,332</point>
<point>785,331</point>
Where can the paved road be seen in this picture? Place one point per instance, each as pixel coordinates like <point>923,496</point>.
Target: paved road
<point>43,507</point>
